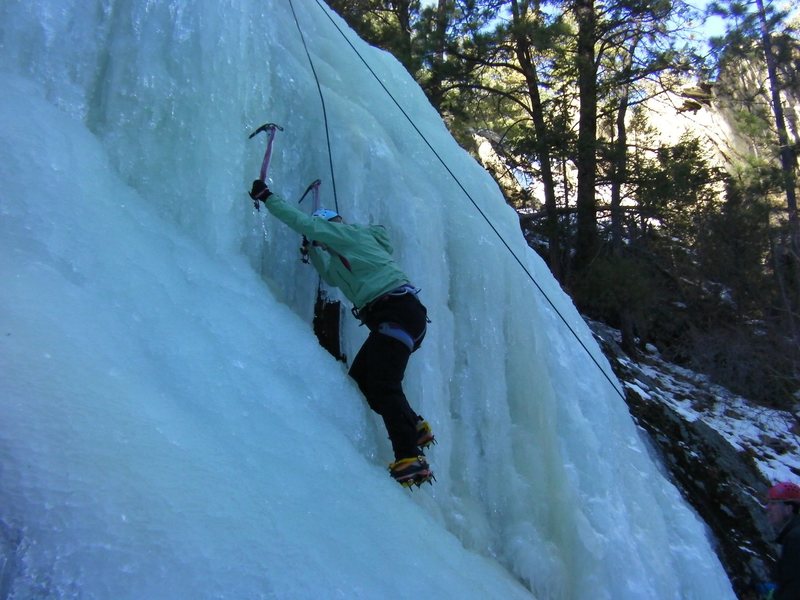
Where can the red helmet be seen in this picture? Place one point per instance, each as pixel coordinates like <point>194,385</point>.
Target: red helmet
<point>784,491</point>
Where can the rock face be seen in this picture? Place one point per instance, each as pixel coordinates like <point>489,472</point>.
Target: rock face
<point>689,422</point>
<point>732,117</point>
<point>723,477</point>
<point>700,112</point>
<point>719,482</point>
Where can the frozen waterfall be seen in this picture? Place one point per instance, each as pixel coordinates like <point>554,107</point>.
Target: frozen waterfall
<point>169,426</point>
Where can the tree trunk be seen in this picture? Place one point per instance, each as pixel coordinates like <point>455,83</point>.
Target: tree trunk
<point>402,9</point>
<point>619,173</point>
<point>433,87</point>
<point>523,53</point>
<point>618,176</point>
<point>586,240</point>
<point>788,166</point>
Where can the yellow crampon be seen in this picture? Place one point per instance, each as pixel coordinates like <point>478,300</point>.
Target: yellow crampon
<point>410,472</point>
<point>425,436</point>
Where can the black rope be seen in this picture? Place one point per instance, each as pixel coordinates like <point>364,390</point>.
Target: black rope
<point>322,100</point>
<point>474,203</point>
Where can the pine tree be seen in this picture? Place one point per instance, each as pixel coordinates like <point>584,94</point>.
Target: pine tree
<point>755,29</point>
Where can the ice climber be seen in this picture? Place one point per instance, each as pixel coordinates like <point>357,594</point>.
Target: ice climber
<point>783,505</point>
<point>358,260</point>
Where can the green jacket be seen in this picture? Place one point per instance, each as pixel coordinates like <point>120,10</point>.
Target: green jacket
<point>357,258</point>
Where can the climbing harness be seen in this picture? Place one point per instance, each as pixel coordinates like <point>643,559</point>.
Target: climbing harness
<point>404,289</point>
<point>393,330</point>
<point>388,328</point>
<point>270,129</point>
<point>325,11</point>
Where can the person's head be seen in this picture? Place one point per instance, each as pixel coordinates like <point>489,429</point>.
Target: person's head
<point>328,215</point>
<point>783,501</point>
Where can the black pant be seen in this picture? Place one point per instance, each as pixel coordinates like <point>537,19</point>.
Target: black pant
<point>380,365</point>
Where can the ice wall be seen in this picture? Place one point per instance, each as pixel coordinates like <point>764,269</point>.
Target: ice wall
<point>169,424</point>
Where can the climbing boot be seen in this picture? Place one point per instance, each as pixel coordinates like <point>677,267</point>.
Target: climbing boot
<point>411,471</point>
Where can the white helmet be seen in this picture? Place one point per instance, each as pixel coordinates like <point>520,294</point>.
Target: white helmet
<point>325,213</point>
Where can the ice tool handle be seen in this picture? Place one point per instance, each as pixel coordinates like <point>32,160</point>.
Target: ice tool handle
<point>314,189</point>
<point>270,129</point>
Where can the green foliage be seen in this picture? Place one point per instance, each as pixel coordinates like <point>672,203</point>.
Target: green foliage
<point>630,284</point>
<point>671,193</point>
<point>384,23</point>
<point>734,248</point>
<point>696,276</point>
<point>755,361</point>
<point>687,256</point>
<point>673,188</point>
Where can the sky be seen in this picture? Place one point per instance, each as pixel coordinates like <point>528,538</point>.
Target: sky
<point>170,426</point>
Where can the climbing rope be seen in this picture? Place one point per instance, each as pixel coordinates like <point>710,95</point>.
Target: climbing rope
<point>322,101</point>
<point>463,189</point>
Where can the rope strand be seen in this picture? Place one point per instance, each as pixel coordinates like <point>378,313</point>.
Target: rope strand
<point>322,101</point>
<point>475,204</point>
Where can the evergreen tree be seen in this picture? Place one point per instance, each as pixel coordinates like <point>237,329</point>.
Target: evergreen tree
<point>388,24</point>
<point>757,31</point>
<point>558,88</point>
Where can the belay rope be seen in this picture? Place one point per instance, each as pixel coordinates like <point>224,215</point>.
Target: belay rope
<point>324,111</point>
<point>457,181</point>
<point>326,312</point>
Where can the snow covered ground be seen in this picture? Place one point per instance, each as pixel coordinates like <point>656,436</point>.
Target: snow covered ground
<point>723,452</point>
<point>768,435</point>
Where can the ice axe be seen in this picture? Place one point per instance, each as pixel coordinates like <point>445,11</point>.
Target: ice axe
<point>313,187</point>
<point>270,129</point>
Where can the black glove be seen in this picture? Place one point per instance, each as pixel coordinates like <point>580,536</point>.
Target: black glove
<point>260,191</point>
<point>304,249</point>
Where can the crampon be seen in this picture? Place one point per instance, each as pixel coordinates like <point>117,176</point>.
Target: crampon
<point>410,472</point>
<point>425,436</point>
